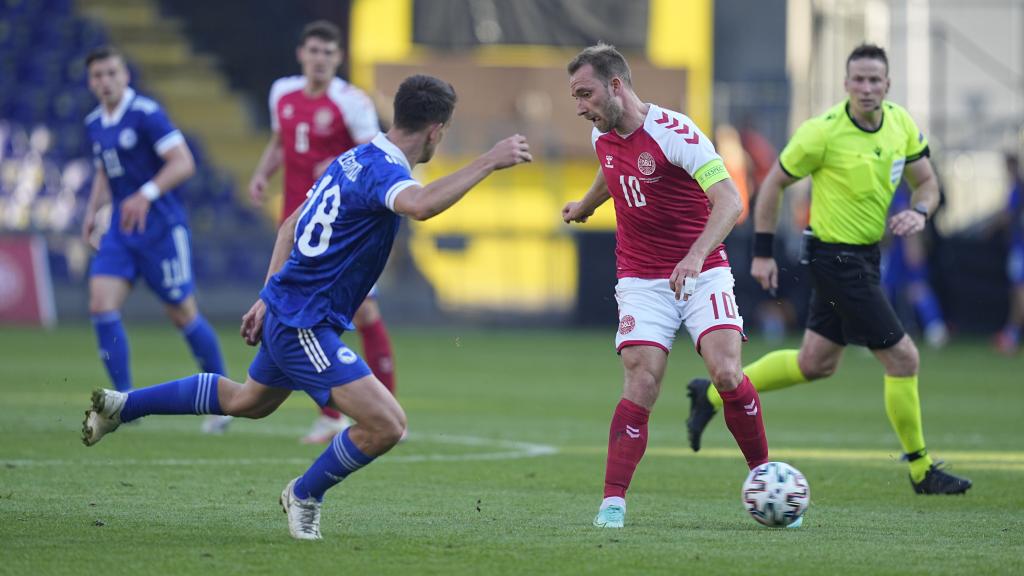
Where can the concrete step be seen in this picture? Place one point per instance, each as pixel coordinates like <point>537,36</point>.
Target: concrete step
<point>216,120</point>
<point>85,4</point>
<point>188,84</point>
<point>177,73</point>
<point>122,14</point>
<point>145,55</point>
<point>161,31</point>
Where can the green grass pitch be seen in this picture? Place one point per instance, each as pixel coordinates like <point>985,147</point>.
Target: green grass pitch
<point>503,470</point>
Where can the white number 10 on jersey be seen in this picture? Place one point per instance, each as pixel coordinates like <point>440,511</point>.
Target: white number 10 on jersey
<point>634,187</point>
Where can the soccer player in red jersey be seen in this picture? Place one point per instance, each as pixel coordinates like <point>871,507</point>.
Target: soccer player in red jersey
<point>315,117</point>
<point>674,205</point>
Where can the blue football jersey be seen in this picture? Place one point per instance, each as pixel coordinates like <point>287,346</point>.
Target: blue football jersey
<point>1013,205</point>
<point>127,145</point>
<point>342,239</point>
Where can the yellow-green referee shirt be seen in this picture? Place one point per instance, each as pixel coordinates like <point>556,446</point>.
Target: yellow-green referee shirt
<point>854,173</point>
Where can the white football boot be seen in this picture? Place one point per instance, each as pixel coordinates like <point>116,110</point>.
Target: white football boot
<point>105,415</point>
<point>303,515</point>
<point>325,429</point>
<point>216,424</point>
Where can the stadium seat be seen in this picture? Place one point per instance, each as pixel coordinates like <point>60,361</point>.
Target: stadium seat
<point>43,44</point>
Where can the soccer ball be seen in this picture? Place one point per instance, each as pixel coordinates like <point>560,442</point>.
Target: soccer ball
<point>776,494</point>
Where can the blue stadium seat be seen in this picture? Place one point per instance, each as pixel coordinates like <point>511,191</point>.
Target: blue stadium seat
<point>54,31</point>
<point>30,106</point>
<point>15,34</point>
<point>43,44</point>
<point>8,90</point>
<point>89,35</point>
<point>70,141</point>
<point>71,104</point>
<point>59,7</point>
<point>21,9</point>
<point>44,68</point>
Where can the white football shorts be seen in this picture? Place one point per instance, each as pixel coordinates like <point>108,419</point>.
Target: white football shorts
<point>650,315</point>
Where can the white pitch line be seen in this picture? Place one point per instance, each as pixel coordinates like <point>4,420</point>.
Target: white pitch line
<point>507,450</point>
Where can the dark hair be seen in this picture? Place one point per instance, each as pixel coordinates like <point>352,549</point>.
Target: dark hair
<point>102,53</point>
<point>869,51</point>
<point>423,100</point>
<point>322,30</point>
<point>606,61</point>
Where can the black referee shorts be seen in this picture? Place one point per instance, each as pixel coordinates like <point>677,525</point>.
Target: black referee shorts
<point>847,303</point>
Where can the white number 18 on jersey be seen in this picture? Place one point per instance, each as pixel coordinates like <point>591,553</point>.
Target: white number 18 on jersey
<point>324,203</point>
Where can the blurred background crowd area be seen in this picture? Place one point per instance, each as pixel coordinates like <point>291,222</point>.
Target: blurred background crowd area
<point>747,72</point>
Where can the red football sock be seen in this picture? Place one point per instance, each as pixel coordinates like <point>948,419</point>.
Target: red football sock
<point>377,350</point>
<point>330,413</point>
<point>743,417</point>
<point>627,441</point>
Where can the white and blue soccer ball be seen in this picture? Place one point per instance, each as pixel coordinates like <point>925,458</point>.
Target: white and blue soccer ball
<point>776,494</point>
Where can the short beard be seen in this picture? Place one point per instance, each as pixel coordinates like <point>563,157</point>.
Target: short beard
<point>612,113</point>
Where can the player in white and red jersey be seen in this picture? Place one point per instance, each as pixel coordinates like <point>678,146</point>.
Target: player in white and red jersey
<point>315,118</point>
<point>674,204</point>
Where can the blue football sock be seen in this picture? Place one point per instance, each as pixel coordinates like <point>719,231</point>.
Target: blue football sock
<point>203,342</point>
<point>340,459</point>
<point>113,344</point>
<point>196,394</point>
<point>927,306</point>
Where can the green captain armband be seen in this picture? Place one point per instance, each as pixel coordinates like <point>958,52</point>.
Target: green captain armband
<point>710,173</point>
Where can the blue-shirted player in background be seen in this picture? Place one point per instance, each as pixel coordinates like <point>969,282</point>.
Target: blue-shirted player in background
<point>140,159</point>
<point>327,256</point>
<point>905,275</point>
<point>1008,339</point>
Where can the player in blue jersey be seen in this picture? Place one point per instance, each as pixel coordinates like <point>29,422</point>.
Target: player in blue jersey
<point>327,256</point>
<point>905,275</point>
<point>140,158</point>
<point>1007,341</point>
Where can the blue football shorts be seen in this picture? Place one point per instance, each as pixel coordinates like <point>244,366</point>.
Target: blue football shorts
<point>164,260</point>
<point>313,360</point>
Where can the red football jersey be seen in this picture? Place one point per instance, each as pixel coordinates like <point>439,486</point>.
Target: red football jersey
<point>660,209</point>
<point>313,129</point>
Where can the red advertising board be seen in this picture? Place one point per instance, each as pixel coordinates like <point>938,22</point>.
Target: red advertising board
<point>26,292</point>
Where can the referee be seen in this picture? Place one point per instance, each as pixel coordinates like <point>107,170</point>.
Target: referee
<point>855,153</point>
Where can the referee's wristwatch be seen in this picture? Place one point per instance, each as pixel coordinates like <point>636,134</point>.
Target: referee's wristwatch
<point>922,209</point>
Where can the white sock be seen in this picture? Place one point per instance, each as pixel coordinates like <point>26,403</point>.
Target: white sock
<point>613,501</point>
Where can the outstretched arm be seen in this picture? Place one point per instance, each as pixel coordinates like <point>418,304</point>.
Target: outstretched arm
<point>98,198</point>
<point>252,321</point>
<point>584,208</point>
<point>725,210</point>
<point>284,242</point>
<point>270,161</point>
<point>766,218</point>
<point>921,177</point>
<point>766,208</point>
<point>424,202</point>
<point>178,167</point>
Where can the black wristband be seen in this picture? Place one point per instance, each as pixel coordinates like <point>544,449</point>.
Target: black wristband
<point>922,209</point>
<point>764,244</point>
